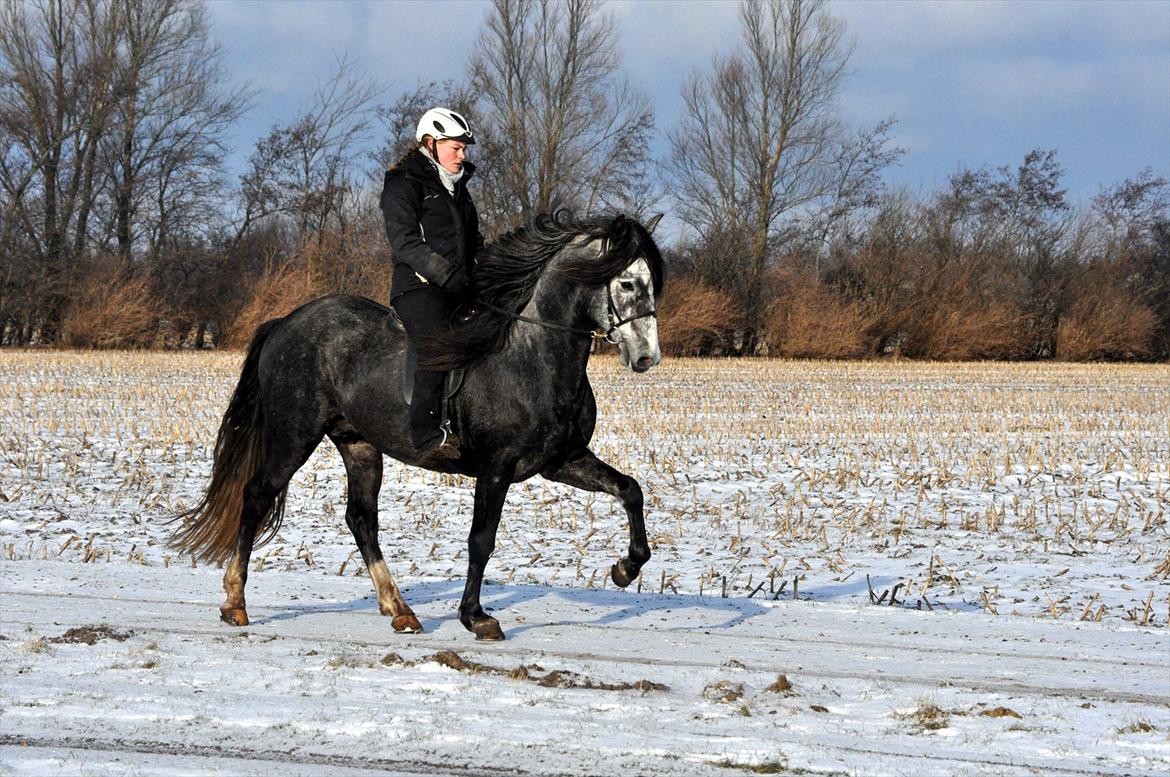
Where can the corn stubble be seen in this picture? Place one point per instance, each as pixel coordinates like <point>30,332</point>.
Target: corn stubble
<point>1026,489</point>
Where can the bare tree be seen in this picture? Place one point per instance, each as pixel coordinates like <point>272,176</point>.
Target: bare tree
<point>1131,212</point>
<point>304,169</point>
<point>56,99</point>
<point>757,139</point>
<point>561,127</point>
<point>110,112</point>
<point>1131,222</point>
<point>856,187</point>
<point>163,148</point>
<point>400,118</point>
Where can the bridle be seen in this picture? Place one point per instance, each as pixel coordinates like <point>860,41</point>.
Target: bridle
<point>614,322</point>
<point>597,334</point>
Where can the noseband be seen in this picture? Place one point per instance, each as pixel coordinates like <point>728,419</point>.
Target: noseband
<point>597,334</point>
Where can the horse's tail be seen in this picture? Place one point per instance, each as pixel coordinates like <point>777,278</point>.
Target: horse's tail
<point>209,529</point>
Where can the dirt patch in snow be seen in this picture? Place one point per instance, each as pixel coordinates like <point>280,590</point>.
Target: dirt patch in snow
<point>782,685</point>
<point>724,691</point>
<point>1001,712</point>
<point>535,673</point>
<point>90,635</point>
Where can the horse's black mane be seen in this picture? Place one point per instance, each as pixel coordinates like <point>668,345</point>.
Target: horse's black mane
<point>506,276</point>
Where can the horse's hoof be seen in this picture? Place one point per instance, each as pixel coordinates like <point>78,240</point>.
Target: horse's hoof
<point>236,616</point>
<point>621,578</point>
<point>406,624</point>
<point>488,630</point>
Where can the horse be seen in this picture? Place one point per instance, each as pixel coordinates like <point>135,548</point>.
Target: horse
<point>335,368</point>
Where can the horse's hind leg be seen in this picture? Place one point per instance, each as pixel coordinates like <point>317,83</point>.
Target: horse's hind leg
<point>283,456</point>
<point>587,472</point>
<point>363,467</point>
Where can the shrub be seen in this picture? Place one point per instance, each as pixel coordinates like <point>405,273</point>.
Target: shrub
<point>955,329</point>
<point>111,311</point>
<point>1106,323</point>
<point>812,321</point>
<point>694,319</point>
<point>276,293</point>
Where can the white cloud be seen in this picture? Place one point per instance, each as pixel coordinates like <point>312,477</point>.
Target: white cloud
<point>984,74</point>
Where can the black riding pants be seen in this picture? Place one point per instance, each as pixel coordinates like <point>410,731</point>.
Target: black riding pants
<point>425,312</point>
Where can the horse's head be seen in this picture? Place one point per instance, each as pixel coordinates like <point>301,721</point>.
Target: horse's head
<point>627,313</point>
<point>604,276</point>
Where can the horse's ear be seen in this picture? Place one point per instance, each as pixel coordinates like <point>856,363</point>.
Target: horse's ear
<point>652,223</point>
<point>618,225</point>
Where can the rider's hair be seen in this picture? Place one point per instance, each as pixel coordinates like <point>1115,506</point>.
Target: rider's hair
<point>426,142</point>
<point>414,147</point>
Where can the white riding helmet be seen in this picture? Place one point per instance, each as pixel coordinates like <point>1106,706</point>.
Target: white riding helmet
<point>443,123</point>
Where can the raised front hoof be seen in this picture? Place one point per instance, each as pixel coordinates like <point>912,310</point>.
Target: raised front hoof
<point>406,624</point>
<point>236,616</point>
<point>486,629</point>
<point>621,574</point>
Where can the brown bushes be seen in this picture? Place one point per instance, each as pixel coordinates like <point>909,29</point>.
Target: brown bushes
<point>111,310</point>
<point>349,262</point>
<point>812,321</point>
<point>1106,323</point>
<point>965,329</point>
<point>277,293</point>
<point>694,319</point>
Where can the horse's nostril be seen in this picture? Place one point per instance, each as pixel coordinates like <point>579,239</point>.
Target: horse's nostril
<point>645,362</point>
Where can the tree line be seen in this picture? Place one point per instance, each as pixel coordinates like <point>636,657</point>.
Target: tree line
<point>120,225</point>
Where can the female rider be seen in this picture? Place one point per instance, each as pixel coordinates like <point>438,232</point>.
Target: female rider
<point>433,228</point>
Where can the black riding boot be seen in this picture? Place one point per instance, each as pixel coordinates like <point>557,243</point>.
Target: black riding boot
<point>426,414</point>
<point>425,312</point>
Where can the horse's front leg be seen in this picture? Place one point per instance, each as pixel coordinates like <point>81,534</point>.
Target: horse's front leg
<point>586,471</point>
<point>491,488</point>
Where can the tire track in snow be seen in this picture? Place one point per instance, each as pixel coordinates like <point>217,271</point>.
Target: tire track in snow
<point>527,651</point>
<point>430,769</point>
<point>245,754</point>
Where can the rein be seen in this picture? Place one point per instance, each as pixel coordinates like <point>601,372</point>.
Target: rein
<point>596,334</point>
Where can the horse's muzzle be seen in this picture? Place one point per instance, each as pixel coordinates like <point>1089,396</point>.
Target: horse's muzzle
<point>643,364</point>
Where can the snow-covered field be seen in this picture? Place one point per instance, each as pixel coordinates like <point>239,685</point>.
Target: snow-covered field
<point>1014,516</point>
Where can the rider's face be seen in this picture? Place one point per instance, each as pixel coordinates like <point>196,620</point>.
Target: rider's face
<point>451,154</point>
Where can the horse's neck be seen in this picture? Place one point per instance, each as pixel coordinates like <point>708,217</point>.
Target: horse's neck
<point>561,355</point>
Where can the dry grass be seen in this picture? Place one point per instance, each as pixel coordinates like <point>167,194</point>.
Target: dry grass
<point>1138,727</point>
<point>927,716</point>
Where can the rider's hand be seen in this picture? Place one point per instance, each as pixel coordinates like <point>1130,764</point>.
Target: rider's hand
<point>457,283</point>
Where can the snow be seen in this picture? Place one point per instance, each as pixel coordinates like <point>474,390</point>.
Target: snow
<point>320,679</point>
<point>1020,510</point>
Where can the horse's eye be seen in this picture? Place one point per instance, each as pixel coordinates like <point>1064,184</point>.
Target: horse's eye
<point>627,286</point>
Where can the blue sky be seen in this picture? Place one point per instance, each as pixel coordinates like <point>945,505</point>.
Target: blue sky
<point>971,84</point>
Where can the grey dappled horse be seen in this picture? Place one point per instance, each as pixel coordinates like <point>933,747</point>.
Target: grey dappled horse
<point>334,368</point>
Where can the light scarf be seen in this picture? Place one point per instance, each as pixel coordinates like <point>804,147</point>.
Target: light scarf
<point>448,178</point>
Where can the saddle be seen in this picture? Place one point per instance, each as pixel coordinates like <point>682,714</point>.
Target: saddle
<point>452,381</point>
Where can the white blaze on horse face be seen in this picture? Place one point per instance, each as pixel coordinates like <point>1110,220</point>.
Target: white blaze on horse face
<point>632,292</point>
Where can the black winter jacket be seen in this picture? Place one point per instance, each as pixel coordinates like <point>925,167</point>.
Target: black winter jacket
<point>432,232</point>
